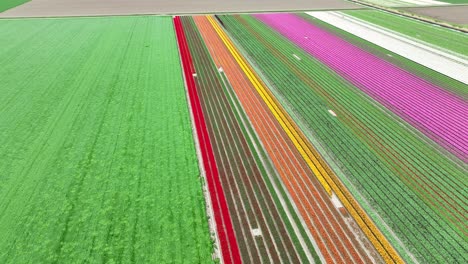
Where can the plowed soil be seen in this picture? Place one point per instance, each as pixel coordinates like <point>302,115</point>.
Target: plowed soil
<point>452,14</point>
<point>60,8</point>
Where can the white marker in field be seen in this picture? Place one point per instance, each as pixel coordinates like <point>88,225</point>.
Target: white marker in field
<point>297,57</point>
<point>332,112</point>
<point>256,232</point>
<point>194,75</point>
<point>220,69</point>
<point>336,201</point>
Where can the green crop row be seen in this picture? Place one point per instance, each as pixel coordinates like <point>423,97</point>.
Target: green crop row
<point>309,90</point>
<point>442,37</point>
<point>98,159</point>
<point>455,1</point>
<point>7,4</point>
<point>389,3</point>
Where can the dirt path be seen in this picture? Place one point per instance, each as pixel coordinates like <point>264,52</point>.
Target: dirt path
<point>453,14</point>
<point>64,8</point>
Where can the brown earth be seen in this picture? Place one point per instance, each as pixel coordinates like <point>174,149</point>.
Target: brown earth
<point>61,8</point>
<point>457,14</point>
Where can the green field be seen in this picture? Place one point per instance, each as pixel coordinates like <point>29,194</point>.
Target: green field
<point>389,3</point>
<point>7,4</point>
<point>445,38</point>
<point>98,162</point>
<point>455,1</point>
<point>402,3</point>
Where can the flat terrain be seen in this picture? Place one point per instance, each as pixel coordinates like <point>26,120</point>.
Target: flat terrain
<point>438,36</point>
<point>59,8</point>
<point>97,159</point>
<point>7,4</point>
<point>453,14</point>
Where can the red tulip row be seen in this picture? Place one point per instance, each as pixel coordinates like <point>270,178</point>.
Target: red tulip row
<point>225,232</point>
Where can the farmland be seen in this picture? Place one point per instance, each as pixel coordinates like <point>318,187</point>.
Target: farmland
<point>385,158</point>
<point>7,4</point>
<point>310,137</point>
<point>98,159</point>
<point>441,37</point>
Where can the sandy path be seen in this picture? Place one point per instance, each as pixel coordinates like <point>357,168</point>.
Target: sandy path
<point>453,14</point>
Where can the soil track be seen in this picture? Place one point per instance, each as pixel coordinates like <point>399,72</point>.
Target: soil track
<point>454,14</point>
<point>64,8</point>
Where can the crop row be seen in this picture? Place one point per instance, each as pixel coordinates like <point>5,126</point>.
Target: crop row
<point>334,239</point>
<point>451,85</point>
<point>449,178</point>
<point>330,180</point>
<point>434,112</point>
<point>260,230</point>
<point>223,222</point>
<point>369,170</point>
<point>240,84</point>
<point>438,36</point>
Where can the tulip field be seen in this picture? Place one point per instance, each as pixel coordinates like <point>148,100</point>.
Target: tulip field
<point>316,137</point>
<point>370,144</point>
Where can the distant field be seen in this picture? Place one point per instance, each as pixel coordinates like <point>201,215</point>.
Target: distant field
<point>442,37</point>
<point>455,14</point>
<point>402,3</point>
<point>97,155</point>
<point>7,4</point>
<point>456,1</point>
<point>63,8</point>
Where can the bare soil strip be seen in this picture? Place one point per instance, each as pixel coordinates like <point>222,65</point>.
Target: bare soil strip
<point>453,14</point>
<point>65,8</point>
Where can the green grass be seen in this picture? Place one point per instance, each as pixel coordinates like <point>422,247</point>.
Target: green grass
<point>389,3</point>
<point>97,155</point>
<point>7,4</point>
<point>442,37</point>
<point>455,1</point>
<point>379,158</point>
<point>435,77</point>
